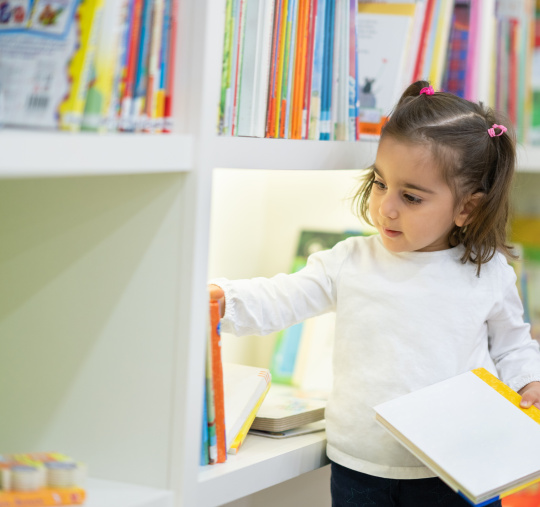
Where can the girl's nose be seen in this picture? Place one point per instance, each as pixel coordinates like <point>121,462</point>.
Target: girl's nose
<point>388,207</point>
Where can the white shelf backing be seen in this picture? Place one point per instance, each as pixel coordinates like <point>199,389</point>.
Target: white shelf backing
<point>528,159</point>
<point>256,153</point>
<point>100,493</point>
<point>260,463</point>
<point>30,153</point>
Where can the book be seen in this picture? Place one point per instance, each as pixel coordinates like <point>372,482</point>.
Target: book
<point>301,430</point>
<point>244,388</point>
<point>41,478</point>
<point>286,407</point>
<point>471,432</point>
<point>45,63</point>
<point>381,61</point>
<point>217,382</point>
<point>100,88</point>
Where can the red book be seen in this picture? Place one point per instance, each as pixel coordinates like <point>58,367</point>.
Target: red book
<point>169,84</point>
<point>419,66</point>
<point>217,380</point>
<point>131,67</point>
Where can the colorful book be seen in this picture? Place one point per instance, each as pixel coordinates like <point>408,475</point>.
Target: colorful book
<point>43,497</point>
<point>272,94</point>
<point>150,114</point>
<point>61,33</point>
<point>168,122</point>
<point>309,68</point>
<point>381,61</point>
<point>288,75</point>
<point>210,406</point>
<point>245,388</point>
<point>440,49</point>
<point>217,382</point>
<point>326,93</point>
<point>105,62</point>
<point>471,432</point>
<point>237,76</point>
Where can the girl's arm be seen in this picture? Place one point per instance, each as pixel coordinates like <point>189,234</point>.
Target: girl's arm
<point>264,305</point>
<point>515,353</point>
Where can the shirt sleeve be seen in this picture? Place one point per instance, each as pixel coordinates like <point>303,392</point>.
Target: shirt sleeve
<point>265,305</point>
<point>515,353</point>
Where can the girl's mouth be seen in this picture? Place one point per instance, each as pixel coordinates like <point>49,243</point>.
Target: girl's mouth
<point>391,233</point>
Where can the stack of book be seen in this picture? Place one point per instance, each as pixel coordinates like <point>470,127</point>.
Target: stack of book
<point>321,69</point>
<point>41,479</point>
<point>98,65</point>
<point>233,395</point>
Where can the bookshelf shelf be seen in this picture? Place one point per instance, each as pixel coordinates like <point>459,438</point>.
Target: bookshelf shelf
<point>102,493</point>
<point>249,153</point>
<point>27,154</point>
<point>260,463</point>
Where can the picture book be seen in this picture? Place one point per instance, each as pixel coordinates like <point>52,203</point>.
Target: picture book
<point>286,407</point>
<point>294,432</point>
<point>381,61</point>
<point>245,388</point>
<point>45,61</point>
<point>471,432</point>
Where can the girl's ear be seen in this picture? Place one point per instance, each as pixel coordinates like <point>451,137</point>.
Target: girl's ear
<point>467,207</point>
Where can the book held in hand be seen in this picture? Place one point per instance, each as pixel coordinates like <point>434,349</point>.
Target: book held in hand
<point>471,432</point>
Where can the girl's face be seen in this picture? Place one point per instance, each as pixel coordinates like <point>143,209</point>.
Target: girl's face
<point>411,205</point>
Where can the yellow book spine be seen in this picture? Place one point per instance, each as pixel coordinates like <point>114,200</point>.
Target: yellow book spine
<point>72,109</point>
<point>239,439</point>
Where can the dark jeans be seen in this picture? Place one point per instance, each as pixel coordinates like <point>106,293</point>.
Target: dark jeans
<point>355,489</point>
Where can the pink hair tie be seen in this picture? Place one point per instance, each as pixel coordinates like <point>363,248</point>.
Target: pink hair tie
<point>428,90</point>
<point>491,131</point>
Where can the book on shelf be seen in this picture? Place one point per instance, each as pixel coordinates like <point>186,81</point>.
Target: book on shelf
<point>245,390</point>
<point>305,429</point>
<point>44,478</point>
<point>286,407</point>
<point>471,432</point>
<point>98,65</point>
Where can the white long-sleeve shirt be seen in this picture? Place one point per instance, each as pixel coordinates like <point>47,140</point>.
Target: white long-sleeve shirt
<point>403,321</point>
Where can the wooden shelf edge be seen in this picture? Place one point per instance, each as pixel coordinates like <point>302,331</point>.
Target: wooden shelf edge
<point>260,463</point>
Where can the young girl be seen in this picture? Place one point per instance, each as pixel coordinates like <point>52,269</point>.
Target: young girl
<point>431,296</point>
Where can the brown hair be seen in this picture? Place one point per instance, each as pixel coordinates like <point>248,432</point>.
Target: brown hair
<point>455,130</point>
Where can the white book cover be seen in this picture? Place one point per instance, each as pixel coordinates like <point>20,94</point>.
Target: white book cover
<point>471,432</point>
<point>381,60</point>
<point>243,387</point>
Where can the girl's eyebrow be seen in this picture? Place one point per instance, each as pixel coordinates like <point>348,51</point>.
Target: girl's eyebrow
<point>405,184</point>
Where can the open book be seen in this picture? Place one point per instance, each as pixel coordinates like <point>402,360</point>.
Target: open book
<point>471,432</point>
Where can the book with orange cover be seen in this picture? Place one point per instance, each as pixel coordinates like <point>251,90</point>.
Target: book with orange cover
<point>299,70</point>
<point>43,497</point>
<point>217,381</point>
<point>309,68</point>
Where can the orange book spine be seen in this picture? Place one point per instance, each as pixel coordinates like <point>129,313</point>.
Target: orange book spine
<point>43,497</point>
<point>279,68</point>
<point>217,379</point>
<point>299,70</point>
<point>309,68</point>
<point>270,114</point>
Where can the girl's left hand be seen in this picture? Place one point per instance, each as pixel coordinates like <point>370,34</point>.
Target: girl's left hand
<point>530,395</point>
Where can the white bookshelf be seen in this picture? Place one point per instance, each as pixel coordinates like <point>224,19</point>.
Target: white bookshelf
<point>103,265</point>
<point>260,463</point>
<point>31,154</point>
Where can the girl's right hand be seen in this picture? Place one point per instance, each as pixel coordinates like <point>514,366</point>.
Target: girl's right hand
<point>216,293</point>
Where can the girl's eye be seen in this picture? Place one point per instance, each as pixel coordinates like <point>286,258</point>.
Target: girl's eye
<point>379,184</point>
<point>411,199</point>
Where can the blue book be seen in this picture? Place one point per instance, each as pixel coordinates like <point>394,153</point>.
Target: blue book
<point>326,100</point>
<point>141,76</point>
<point>316,79</point>
<point>165,65</point>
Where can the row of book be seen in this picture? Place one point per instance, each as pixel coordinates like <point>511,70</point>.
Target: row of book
<point>97,65</point>
<point>232,396</point>
<point>333,69</point>
<point>44,478</point>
